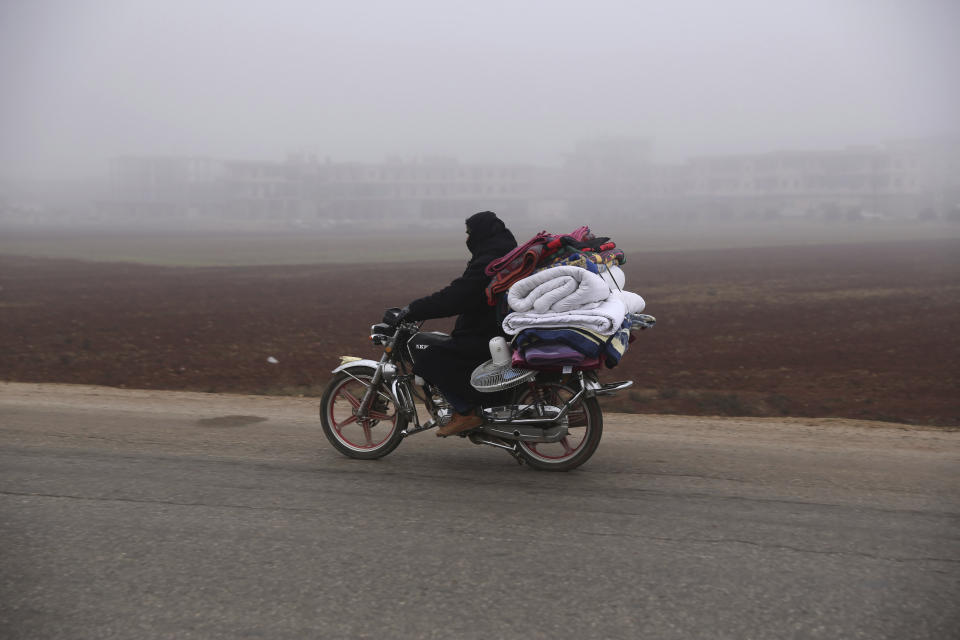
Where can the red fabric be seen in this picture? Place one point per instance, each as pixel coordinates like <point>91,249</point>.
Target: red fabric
<point>520,268</point>
<point>522,261</point>
<point>578,234</point>
<point>505,261</point>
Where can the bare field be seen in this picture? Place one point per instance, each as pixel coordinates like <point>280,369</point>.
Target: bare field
<point>351,246</point>
<point>857,331</point>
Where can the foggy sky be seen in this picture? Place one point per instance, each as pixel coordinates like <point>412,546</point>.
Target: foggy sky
<point>83,80</point>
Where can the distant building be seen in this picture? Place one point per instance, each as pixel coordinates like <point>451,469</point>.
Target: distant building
<point>602,179</point>
<point>302,191</point>
<point>898,180</point>
<point>429,189</point>
<point>268,192</point>
<point>606,177</point>
<point>159,189</point>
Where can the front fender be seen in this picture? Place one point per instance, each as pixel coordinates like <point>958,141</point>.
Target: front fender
<point>392,384</point>
<point>348,362</point>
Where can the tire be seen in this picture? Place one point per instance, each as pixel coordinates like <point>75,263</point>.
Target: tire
<point>575,448</point>
<point>372,438</point>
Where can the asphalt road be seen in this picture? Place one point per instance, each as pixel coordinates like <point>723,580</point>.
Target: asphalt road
<point>129,514</point>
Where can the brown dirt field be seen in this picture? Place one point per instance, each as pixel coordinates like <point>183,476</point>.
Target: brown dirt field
<point>854,331</point>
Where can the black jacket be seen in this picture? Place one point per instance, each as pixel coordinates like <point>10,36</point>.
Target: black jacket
<point>488,238</point>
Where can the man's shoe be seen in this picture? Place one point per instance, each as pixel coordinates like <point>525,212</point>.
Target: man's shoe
<point>459,423</point>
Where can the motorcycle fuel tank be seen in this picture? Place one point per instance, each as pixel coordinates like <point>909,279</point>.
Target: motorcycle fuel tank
<point>422,342</point>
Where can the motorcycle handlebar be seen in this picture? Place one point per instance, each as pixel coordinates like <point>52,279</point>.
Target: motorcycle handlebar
<point>394,315</point>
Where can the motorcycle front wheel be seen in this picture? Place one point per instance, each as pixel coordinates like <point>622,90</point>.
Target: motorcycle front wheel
<point>583,433</point>
<point>366,439</point>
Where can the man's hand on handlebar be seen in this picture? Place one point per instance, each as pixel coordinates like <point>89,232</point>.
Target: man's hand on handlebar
<point>395,315</point>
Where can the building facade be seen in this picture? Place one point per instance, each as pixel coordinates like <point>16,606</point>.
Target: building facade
<point>900,180</point>
<point>603,179</point>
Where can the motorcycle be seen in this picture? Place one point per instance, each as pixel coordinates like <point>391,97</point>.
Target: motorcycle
<point>550,420</point>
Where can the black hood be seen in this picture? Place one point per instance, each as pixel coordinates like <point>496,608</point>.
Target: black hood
<point>488,239</point>
<point>486,232</point>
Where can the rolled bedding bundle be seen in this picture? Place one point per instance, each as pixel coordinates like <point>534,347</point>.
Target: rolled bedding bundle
<point>586,342</point>
<point>604,318</point>
<point>538,348</point>
<point>557,290</point>
<point>632,301</point>
<point>613,276</point>
<point>615,279</point>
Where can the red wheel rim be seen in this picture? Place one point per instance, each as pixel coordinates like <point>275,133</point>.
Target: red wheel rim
<point>578,428</point>
<point>361,435</point>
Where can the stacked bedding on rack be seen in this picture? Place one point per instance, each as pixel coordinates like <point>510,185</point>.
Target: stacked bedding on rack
<point>572,315</point>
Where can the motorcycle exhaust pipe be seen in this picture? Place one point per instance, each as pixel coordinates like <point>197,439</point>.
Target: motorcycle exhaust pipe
<point>526,434</point>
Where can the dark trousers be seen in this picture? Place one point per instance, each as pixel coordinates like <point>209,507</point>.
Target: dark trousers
<point>448,364</point>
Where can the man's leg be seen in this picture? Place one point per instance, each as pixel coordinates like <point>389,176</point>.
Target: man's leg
<point>448,366</point>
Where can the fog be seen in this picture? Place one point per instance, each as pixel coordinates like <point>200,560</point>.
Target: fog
<point>497,81</point>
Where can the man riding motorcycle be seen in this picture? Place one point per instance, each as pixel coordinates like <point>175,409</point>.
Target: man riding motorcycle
<point>448,363</point>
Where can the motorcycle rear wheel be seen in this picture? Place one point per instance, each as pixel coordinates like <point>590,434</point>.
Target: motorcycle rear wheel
<point>584,431</point>
<point>367,439</point>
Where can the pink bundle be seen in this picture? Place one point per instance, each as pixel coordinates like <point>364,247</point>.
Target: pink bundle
<point>521,262</point>
<point>520,267</point>
<point>517,255</point>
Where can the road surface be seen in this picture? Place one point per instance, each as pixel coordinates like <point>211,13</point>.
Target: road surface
<point>144,514</point>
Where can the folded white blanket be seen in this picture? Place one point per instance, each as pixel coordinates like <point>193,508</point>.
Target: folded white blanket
<point>633,301</point>
<point>615,279</point>
<point>613,276</point>
<point>603,318</point>
<point>557,289</point>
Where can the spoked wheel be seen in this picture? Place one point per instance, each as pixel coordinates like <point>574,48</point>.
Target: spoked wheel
<point>583,433</point>
<point>372,437</point>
